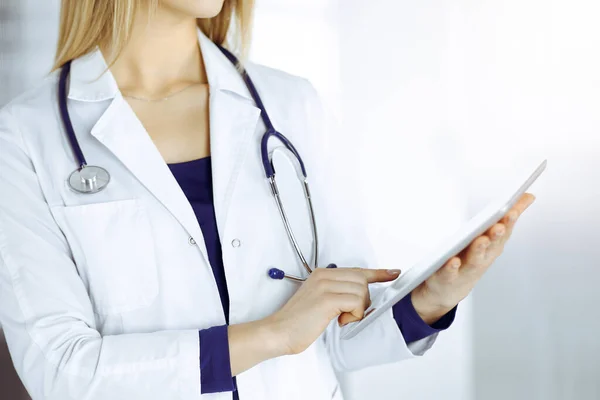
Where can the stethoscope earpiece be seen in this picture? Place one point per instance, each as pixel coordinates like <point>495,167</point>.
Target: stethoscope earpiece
<point>277,274</point>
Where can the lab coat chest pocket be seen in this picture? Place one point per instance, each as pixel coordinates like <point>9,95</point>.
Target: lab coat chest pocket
<point>113,248</point>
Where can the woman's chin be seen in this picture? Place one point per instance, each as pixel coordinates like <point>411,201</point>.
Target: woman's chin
<point>195,8</point>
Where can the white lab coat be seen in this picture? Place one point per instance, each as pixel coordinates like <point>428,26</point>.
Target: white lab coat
<point>102,296</point>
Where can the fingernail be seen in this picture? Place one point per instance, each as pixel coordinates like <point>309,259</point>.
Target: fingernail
<point>393,272</point>
<point>455,264</point>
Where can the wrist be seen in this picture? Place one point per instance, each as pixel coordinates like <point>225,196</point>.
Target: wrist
<point>251,343</point>
<point>276,336</point>
<point>258,336</point>
<point>273,337</point>
<point>429,312</point>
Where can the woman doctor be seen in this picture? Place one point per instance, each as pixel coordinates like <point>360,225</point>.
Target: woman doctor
<point>156,286</point>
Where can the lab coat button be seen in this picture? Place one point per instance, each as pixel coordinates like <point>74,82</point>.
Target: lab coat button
<point>236,243</point>
<point>192,241</point>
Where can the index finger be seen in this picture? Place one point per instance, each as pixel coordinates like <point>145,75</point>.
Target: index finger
<point>379,275</point>
<point>358,275</point>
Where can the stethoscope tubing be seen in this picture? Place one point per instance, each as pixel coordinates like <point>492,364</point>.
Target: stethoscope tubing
<point>66,118</point>
<point>92,179</point>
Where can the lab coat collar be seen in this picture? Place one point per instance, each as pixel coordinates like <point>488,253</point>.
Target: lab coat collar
<point>91,80</point>
<point>233,119</point>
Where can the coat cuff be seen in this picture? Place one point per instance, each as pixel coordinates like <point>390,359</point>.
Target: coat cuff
<point>411,324</point>
<point>215,366</point>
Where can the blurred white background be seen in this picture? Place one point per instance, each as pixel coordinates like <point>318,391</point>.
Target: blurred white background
<point>444,98</point>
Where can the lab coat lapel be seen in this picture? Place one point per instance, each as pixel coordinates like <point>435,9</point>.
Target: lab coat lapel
<point>233,123</point>
<point>123,134</point>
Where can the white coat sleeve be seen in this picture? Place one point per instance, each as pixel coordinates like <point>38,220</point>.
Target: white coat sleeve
<point>335,188</point>
<point>47,315</point>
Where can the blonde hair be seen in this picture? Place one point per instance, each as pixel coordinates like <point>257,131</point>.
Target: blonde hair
<point>86,24</point>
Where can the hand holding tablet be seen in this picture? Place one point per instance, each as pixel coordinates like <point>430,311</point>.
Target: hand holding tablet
<point>435,267</point>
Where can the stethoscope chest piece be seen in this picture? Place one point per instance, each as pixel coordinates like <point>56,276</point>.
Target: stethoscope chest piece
<point>89,179</point>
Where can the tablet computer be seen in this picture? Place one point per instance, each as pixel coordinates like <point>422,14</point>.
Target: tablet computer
<point>448,248</point>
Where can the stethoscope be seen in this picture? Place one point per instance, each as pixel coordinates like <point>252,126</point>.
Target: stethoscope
<point>90,179</point>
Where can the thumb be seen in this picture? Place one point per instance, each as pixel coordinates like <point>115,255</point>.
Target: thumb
<point>380,275</point>
<point>346,317</point>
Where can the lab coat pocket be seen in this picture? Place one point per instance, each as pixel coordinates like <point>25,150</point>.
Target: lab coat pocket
<point>113,248</point>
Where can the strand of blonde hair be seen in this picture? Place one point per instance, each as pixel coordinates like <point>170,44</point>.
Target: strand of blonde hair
<point>88,24</point>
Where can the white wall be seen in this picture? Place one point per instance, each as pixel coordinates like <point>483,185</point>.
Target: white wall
<point>28,35</point>
<point>528,71</point>
<point>477,88</point>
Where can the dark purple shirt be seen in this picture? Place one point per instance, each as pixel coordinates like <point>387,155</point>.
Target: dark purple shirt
<point>195,179</point>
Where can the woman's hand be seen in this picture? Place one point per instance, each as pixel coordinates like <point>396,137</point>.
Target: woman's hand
<point>326,294</point>
<point>454,281</point>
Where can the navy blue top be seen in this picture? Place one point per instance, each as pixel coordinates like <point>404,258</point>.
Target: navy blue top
<point>195,179</point>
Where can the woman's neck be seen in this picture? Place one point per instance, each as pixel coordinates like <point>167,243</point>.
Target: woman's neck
<point>161,56</point>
